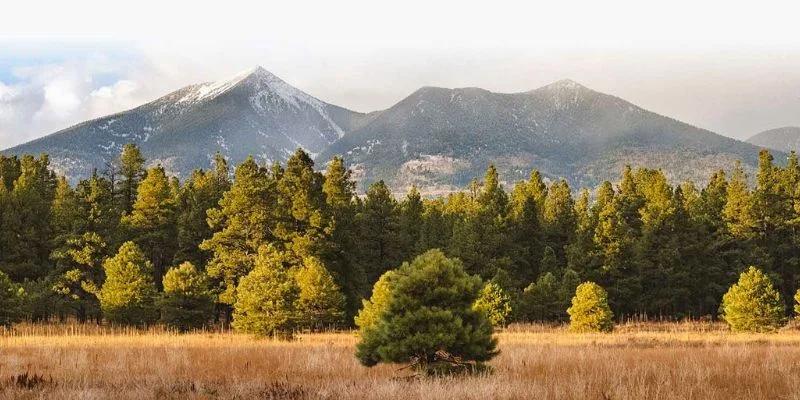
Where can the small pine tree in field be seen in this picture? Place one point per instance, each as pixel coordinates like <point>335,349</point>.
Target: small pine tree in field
<point>128,295</point>
<point>320,303</point>
<point>429,320</point>
<point>752,304</point>
<point>187,302</point>
<point>494,303</point>
<point>590,311</point>
<point>11,300</point>
<point>266,297</point>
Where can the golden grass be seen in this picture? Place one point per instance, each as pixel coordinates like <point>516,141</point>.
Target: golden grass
<point>638,361</point>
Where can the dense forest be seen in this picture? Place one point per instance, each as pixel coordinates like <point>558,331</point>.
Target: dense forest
<point>133,234</point>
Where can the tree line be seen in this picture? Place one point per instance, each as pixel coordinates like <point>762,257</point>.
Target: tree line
<point>133,245</point>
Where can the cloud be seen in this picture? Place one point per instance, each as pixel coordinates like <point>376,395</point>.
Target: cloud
<point>46,97</point>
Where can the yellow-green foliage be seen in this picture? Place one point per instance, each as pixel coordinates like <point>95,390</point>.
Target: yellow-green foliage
<point>495,303</point>
<point>590,311</point>
<point>266,297</point>
<point>128,295</point>
<point>797,302</point>
<point>187,302</point>
<point>752,304</point>
<point>320,302</point>
<point>370,314</point>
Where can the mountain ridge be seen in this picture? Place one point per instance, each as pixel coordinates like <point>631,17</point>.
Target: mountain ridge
<point>785,139</point>
<point>435,138</point>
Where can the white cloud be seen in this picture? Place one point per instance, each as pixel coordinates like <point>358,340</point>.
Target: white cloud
<point>48,97</point>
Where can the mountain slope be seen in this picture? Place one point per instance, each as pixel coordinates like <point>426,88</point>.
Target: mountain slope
<point>439,138</point>
<point>784,139</point>
<point>254,112</point>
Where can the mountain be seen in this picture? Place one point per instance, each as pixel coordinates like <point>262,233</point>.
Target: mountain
<point>438,139</point>
<point>254,112</point>
<point>784,139</point>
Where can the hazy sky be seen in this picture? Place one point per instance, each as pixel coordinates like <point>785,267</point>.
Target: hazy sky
<point>733,69</point>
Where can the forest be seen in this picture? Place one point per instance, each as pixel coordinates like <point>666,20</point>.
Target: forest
<point>131,245</point>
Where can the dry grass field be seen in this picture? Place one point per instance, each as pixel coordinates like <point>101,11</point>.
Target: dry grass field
<point>644,361</point>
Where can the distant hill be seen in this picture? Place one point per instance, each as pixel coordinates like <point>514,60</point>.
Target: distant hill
<point>784,139</point>
<point>254,112</point>
<point>440,138</point>
<point>436,138</point>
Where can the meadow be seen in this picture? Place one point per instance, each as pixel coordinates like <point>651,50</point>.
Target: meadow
<point>639,360</point>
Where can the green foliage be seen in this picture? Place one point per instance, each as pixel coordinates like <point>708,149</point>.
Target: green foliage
<point>429,311</point>
<point>187,302</point>
<point>11,300</point>
<point>797,302</point>
<point>80,274</point>
<point>131,170</point>
<point>267,296</point>
<point>320,303</point>
<point>752,304</point>
<point>128,295</point>
<point>372,311</point>
<point>589,311</point>
<point>152,220</point>
<point>494,303</point>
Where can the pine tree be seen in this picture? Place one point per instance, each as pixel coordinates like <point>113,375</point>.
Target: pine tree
<point>526,236</point>
<point>11,300</point>
<point>267,296</point>
<point>187,302</point>
<point>341,255</point>
<point>495,303</point>
<point>559,219</point>
<point>128,295</point>
<point>379,221</point>
<point>131,169</point>
<point>372,310</point>
<point>202,192</point>
<point>540,300</point>
<point>752,304</point>
<point>79,273</point>
<point>430,311</point>
<point>410,224</point>
<point>589,311</point>
<point>152,221</point>
<point>242,223</point>
<point>320,303</point>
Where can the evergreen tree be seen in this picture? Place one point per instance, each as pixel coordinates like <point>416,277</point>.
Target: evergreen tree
<point>752,304</point>
<point>589,311</point>
<point>341,255</point>
<point>187,302</point>
<point>372,310</point>
<point>128,295</point>
<point>131,170</point>
<point>152,222</point>
<point>80,274</point>
<point>267,296</point>
<point>201,193</point>
<point>429,312</point>
<point>242,223</point>
<point>410,224</point>
<point>540,300</point>
<point>320,303</point>
<point>379,221</point>
<point>495,303</point>
<point>559,219</point>
<point>11,300</point>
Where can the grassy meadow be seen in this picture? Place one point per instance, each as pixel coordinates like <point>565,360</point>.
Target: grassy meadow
<point>637,361</point>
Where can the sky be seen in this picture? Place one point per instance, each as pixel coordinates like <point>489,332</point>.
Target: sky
<point>728,67</point>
